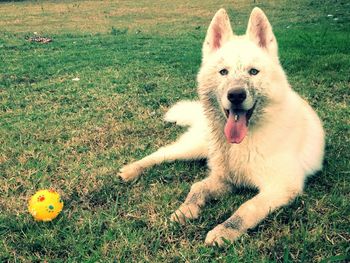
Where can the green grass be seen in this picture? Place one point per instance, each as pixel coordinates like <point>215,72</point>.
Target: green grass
<point>134,60</point>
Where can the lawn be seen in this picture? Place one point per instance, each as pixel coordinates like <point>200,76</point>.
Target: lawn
<point>73,111</point>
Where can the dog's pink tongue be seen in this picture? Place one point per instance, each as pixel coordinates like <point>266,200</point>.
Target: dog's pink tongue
<point>236,127</point>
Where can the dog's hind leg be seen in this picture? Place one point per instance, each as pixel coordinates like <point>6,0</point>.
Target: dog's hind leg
<point>190,146</point>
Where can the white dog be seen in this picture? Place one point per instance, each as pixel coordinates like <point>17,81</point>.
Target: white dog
<point>252,127</point>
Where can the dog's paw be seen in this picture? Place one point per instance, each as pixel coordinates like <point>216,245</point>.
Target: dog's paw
<point>130,172</point>
<point>185,212</point>
<point>219,234</point>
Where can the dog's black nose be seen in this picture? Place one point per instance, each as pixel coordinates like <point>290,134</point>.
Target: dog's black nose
<point>236,96</point>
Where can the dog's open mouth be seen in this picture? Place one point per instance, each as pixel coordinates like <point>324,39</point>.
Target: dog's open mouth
<point>236,127</point>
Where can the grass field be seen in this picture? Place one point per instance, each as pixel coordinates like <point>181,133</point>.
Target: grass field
<point>134,59</point>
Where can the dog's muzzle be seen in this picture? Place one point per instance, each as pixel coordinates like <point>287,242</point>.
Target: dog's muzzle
<point>238,114</point>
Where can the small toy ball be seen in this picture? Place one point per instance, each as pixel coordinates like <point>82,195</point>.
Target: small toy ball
<point>45,205</point>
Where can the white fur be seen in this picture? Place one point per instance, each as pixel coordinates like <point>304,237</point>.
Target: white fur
<point>284,144</point>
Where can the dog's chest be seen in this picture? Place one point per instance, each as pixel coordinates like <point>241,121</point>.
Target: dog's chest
<point>242,162</point>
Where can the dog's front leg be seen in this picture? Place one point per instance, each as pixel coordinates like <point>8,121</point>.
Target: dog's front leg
<point>200,193</point>
<point>249,215</point>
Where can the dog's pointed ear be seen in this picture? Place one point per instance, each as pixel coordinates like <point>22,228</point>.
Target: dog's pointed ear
<point>219,32</point>
<point>260,32</point>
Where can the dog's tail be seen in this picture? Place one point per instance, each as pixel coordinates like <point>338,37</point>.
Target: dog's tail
<point>186,113</point>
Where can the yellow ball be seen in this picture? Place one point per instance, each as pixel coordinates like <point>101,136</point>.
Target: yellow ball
<point>45,205</point>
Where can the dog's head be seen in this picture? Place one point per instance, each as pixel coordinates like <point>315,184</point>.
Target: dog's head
<point>241,74</point>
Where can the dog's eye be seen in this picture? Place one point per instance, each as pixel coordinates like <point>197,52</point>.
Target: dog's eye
<point>253,71</point>
<point>223,72</point>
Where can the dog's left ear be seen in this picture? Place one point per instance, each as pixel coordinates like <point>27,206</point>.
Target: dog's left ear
<point>260,32</point>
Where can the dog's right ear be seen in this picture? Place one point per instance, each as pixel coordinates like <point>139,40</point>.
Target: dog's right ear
<point>219,32</point>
